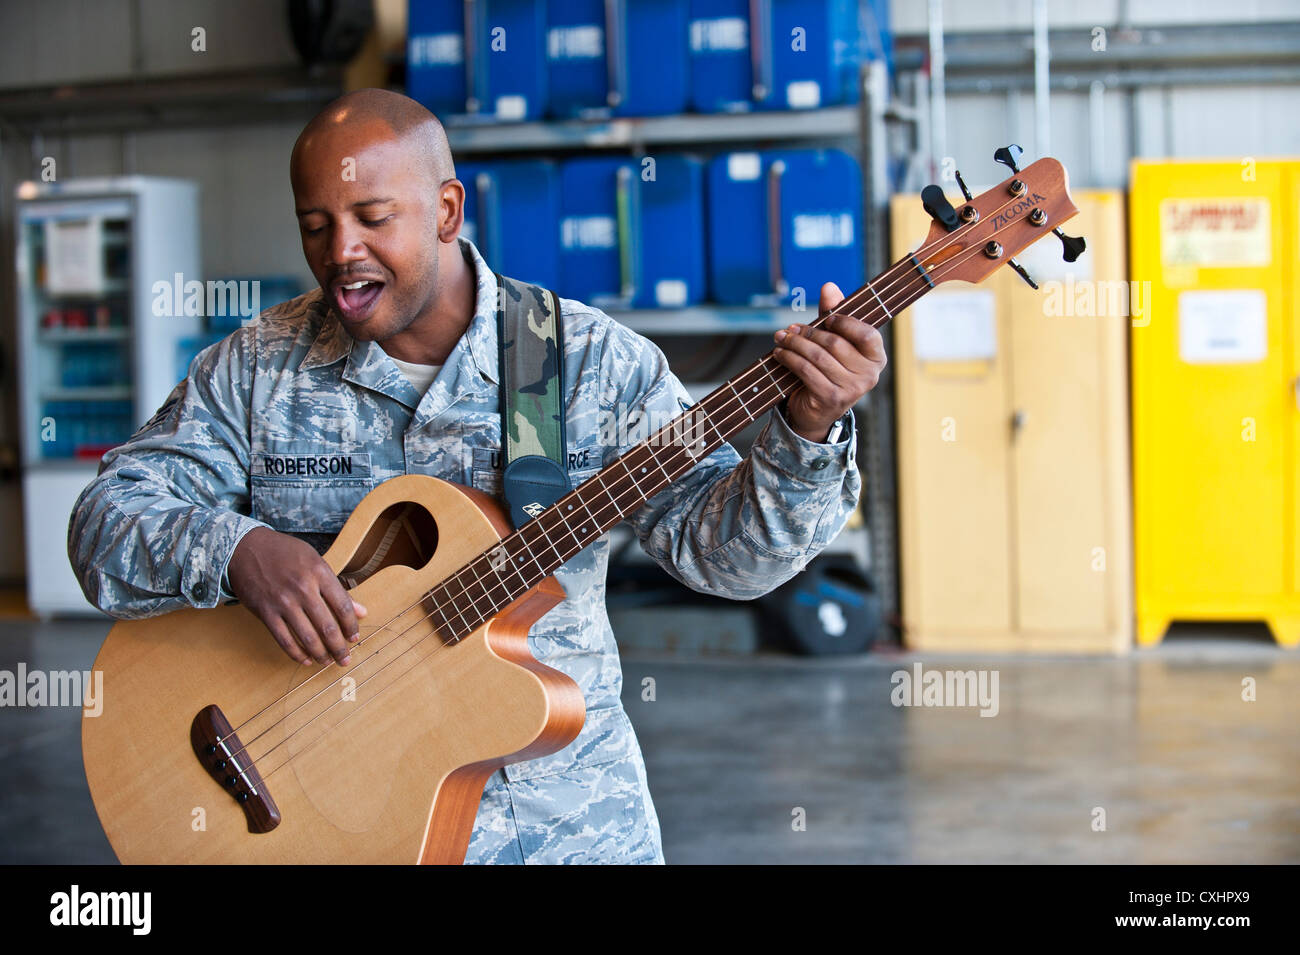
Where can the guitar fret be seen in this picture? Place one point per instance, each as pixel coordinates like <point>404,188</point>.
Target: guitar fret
<point>445,622</point>
<point>464,624</point>
<point>878,299</point>
<point>721,439</point>
<point>635,486</point>
<point>546,534</point>
<point>657,463</point>
<point>591,517</point>
<point>564,518</point>
<point>604,487</point>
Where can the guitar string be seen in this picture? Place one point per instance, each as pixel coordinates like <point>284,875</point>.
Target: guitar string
<point>738,381</point>
<point>754,371</point>
<point>779,391</point>
<point>904,267</point>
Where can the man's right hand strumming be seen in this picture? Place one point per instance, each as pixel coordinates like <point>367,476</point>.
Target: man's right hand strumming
<point>296,594</point>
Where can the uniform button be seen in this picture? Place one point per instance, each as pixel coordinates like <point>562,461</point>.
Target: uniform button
<point>199,591</point>
<point>820,464</point>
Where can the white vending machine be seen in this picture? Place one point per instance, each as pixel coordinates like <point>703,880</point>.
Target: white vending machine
<point>98,267</point>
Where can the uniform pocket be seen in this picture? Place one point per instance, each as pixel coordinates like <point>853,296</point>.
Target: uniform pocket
<point>310,507</point>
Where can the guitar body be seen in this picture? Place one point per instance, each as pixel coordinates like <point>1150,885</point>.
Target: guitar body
<point>383,761</point>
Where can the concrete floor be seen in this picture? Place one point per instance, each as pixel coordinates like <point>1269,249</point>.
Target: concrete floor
<point>1184,769</point>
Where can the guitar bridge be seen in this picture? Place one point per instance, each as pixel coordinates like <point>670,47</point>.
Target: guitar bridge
<point>221,753</point>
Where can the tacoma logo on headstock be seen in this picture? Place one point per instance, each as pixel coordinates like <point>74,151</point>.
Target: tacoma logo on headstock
<point>1023,205</point>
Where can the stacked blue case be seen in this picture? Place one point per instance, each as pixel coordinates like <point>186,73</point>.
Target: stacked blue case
<point>512,214</point>
<point>507,67</point>
<point>497,68</point>
<point>782,54</point>
<point>816,195</point>
<point>435,55</point>
<point>632,231</point>
<point>634,65</point>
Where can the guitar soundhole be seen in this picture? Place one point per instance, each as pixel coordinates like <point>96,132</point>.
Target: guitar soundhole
<point>404,533</point>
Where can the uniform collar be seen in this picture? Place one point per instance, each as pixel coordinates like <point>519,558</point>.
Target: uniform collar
<point>471,366</point>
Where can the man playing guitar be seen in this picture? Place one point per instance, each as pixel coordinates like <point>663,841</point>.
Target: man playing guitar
<point>239,482</point>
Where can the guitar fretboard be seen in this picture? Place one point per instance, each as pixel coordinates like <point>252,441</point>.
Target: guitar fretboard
<point>474,594</point>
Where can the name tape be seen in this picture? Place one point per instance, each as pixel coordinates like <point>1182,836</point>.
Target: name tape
<point>311,465</point>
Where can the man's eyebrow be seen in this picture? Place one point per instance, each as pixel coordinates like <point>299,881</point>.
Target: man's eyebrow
<point>363,202</point>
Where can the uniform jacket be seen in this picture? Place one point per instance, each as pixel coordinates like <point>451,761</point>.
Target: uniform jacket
<point>288,423</point>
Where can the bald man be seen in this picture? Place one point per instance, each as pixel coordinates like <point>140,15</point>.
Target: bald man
<point>244,476</point>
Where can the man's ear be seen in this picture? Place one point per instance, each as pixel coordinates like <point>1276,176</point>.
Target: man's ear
<point>451,210</point>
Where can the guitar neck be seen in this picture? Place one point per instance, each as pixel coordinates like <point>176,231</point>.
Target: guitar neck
<point>474,594</point>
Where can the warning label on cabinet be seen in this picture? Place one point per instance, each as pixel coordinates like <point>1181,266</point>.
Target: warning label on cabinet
<point>1223,327</point>
<point>1215,233</point>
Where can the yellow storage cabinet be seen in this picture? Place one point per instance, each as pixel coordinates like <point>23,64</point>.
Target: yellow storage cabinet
<point>1215,394</point>
<point>1013,448</point>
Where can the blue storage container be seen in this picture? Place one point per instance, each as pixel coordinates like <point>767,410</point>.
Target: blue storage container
<point>781,221</point>
<point>782,54</point>
<point>512,214</point>
<point>435,55</point>
<point>621,58</point>
<point>506,60</point>
<point>722,77</point>
<point>632,231</point>
<point>494,68</point>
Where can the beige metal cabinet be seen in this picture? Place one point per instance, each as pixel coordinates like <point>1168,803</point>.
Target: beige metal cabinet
<point>1013,448</point>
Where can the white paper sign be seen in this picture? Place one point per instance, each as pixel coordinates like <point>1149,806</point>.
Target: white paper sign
<point>1223,327</point>
<point>955,326</point>
<point>74,256</point>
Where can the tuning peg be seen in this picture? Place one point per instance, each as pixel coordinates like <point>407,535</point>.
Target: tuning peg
<point>962,183</point>
<point>1020,270</point>
<point>1009,156</point>
<point>937,204</point>
<point>1074,245</point>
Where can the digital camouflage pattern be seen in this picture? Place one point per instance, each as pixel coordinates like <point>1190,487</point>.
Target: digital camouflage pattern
<point>288,423</point>
<point>535,427</point>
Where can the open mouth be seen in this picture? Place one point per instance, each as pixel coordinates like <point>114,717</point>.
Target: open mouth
<point>356,300</point>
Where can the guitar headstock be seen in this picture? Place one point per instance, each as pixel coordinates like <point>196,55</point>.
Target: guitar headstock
<point>969,242</point>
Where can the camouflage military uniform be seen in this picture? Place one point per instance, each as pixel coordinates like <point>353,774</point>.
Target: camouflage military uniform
<point>289,422</point>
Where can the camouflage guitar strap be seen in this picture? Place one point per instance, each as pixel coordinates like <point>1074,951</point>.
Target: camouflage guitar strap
<point>530,331</point>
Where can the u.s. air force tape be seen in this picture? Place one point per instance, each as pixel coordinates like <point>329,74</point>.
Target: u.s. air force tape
<point>311,465</point>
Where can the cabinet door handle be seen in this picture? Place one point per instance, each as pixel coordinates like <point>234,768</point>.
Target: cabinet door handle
<point>1017,422</point>
<point>1295,387</point>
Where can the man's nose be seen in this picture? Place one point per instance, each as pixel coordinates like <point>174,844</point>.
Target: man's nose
<point>345,245</point>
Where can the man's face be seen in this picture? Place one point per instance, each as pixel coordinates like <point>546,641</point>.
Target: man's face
<point>369,220</point>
